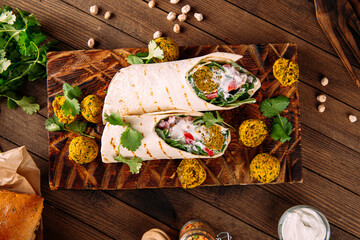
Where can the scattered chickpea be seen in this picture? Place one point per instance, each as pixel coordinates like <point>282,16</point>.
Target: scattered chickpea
<point>321,98</point>
<point>198,16</point>
<point>324,81</point>
<point>107,15</point>
<point>157,34</point>
<point>94,10</point>
<point>174,1</point>
<point>171,16</point>
<point>321,108</point>
<point>182,17</point>
<point>176,28</point>
<point>151,4</point>
<point>352,118</point>
<point>91,42</point>
<point>185,9</point>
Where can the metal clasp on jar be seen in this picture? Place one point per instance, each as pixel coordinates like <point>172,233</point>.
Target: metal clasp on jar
<point>223,236</point>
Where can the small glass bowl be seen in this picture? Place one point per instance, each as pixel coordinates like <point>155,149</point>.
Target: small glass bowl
<point>323,218</point>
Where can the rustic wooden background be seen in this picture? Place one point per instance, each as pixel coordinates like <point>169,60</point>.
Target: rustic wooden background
<point>331,144</point>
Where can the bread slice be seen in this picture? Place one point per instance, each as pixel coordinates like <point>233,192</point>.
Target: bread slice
<point>19,215</point>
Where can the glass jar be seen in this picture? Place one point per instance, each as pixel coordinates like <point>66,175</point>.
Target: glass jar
<point>196,228</point>
<point>299,207</point>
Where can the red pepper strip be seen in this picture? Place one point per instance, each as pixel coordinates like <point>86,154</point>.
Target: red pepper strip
<point>188,138</point>
<point>211,95</point>
<point>211,153</point>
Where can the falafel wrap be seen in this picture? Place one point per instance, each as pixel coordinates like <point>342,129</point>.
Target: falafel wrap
<point>211,82</point>
<point>167,136</point>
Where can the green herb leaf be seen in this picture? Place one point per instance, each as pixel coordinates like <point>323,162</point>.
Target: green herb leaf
<point>115,119</point>
<point>71,92</point>
<point>53,124</point>
<point>70,107</point>
<point>210,120</point>
<point>274,106</point>
<point>4,64</point>
<point>28,104</point>
<point>133,163</point>
<point>132,59</point>
<point>154,51</point>
<point>281,129</point>
<point>77,126</point>
<point>131,139</point>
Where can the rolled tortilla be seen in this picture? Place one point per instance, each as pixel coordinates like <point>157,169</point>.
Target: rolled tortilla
<point>152,146</point>
<point>146,88</point>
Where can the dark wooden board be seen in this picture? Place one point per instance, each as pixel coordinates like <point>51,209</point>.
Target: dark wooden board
<point>92,71</point>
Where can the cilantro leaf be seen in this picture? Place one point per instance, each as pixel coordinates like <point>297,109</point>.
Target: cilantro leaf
<point>281,129</point>
<point>131,139</point>
<point>71,92</point>
<point>77,126</point>
<point>210,120</point>
<point>154,51</point>
<point>132,59</point>
<point>27,104</point>
<point>70,107</point>
<point>115,119</point>
<point>53,124</point>
<point>7,17</point>
<point>4,64</point>
<point>274,106</point>
<point>133,163</point>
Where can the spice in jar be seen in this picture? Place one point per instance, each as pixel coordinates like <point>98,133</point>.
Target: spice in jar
<point>196,230</point>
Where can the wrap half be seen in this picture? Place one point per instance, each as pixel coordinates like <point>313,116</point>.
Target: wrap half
<point>168,86</point>
<point>167,136</point>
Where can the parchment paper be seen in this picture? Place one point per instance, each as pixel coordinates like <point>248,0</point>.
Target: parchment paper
<point>19,173</point>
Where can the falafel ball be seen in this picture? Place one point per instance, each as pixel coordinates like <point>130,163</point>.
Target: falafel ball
<point>252,132</point>
<point>83,149</point>
<point>170,49</point>
<point>265,167</point>
<point>57,103</point>
<point>91,108</point>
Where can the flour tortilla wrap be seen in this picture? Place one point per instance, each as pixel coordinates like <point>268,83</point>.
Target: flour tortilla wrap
<point>152,146</point>
<point>146,88</point>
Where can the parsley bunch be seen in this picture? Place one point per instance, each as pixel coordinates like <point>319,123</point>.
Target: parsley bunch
<point>281,127</point>
<point>140,58</point>
<point>22,56</point>
<point>130,139</point>
<point>209,119</point>
<point>53,125</point>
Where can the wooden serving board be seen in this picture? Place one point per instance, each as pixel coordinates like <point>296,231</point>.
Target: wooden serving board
<point>92,71</point>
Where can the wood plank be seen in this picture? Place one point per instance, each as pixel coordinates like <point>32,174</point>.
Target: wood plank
<point>74,27</point>
<point>177,207</point>
<point>59,225</point>
<point>265,212</point>
<point>301,22</point>
<point>340,206</point>
<point>330,159</point>
<point>96,208</point>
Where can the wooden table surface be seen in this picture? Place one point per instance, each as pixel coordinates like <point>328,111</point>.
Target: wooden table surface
<point>331,144</point>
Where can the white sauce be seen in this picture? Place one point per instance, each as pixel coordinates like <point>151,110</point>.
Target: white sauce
<point>230,74</point>
<point>177,131</point>
<point>303,224</point>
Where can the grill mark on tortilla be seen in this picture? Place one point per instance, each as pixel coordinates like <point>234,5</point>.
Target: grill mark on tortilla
<point>172,103</point>
<point>148,152</point>
<point>144,72</point>
<point>107,160</point>
<point>151,92</point>
<point>133,153</point>
<point>140,124</point>
<point>181,154</point>
<point>164,151</point>
<point>155,119</point>
<point>112,143</point>
<point>142,107</point>
<point>186,98</point>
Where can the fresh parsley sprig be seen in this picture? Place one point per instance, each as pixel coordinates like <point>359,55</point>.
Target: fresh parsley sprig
<point>22,56</point>
<point>281,127</point>
<point>143,58</point>
<point>133,163</point>
<point>209,120</point>
<point>130,138</point>
<point>71,105</point>
<point>53,125</point>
